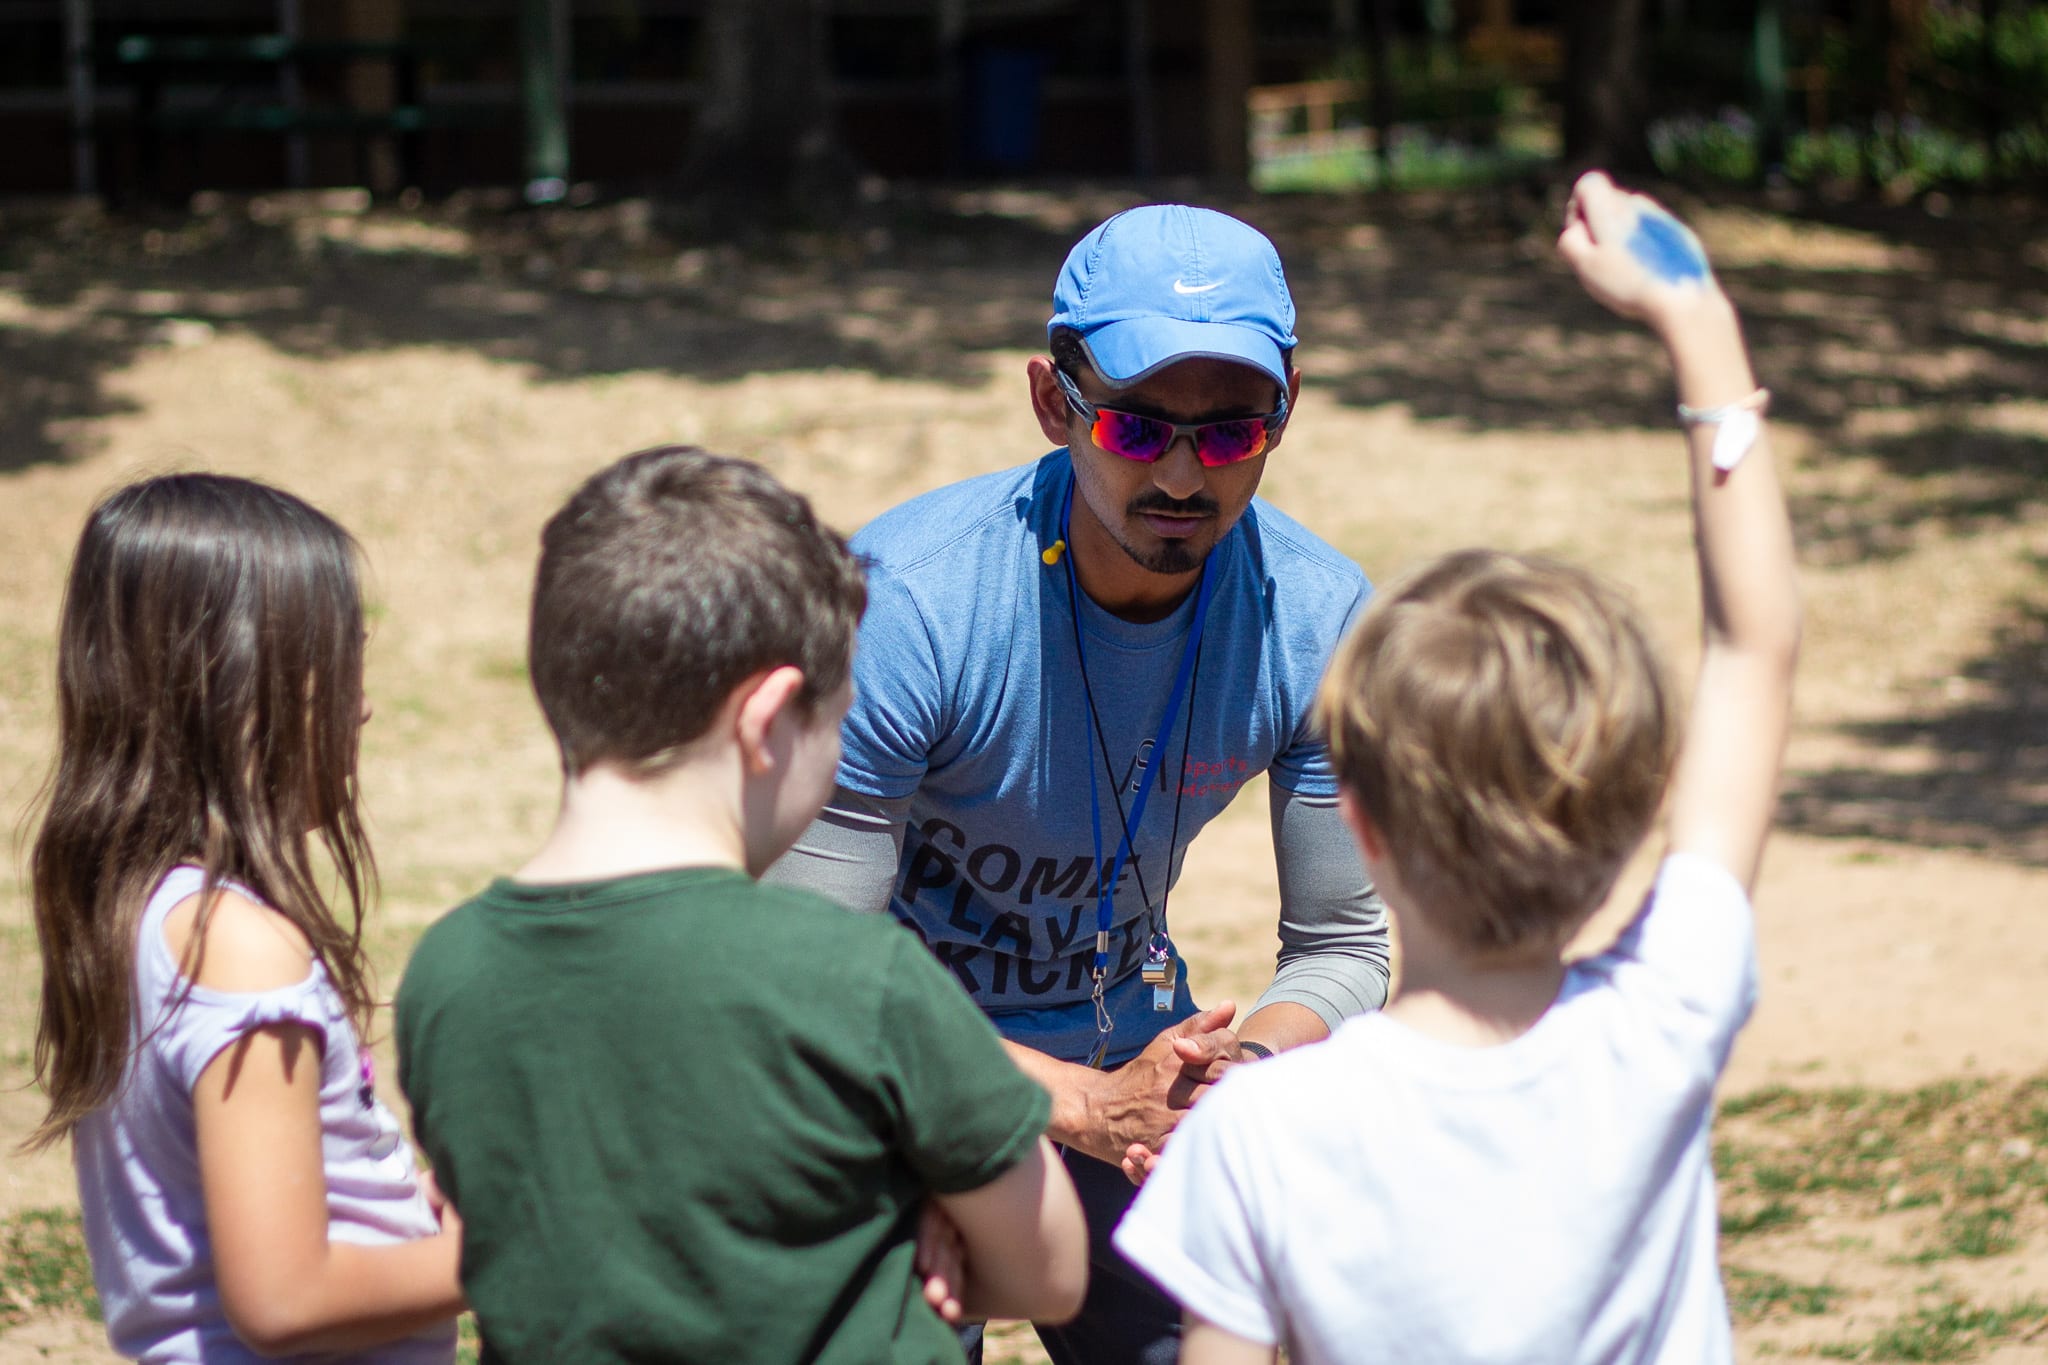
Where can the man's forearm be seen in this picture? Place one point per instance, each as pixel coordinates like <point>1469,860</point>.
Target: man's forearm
<point>1334,947</point>
<point>1105,1113</point>
<point>1281,1025</point>
<point>1072,1088</point>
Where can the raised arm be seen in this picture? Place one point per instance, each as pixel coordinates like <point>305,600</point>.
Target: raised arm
<point>1638,260</point>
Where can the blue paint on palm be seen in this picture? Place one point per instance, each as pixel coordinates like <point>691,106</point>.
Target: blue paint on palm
<point>1667,248</point>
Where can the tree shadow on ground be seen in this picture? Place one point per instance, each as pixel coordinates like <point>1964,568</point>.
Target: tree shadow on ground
<point>571,293</point>
<point>1950,478</point>
<point>1966,766</point>
<point>1968,771</point>
<point>1474,322</point>
<point>50,387</point>
<point>1449,303</point>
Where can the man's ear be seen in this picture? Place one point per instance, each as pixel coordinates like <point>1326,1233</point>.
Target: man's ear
<point>1370,840</point>
<point>763,700</point>
<point>1048,401</point>
<point>1293,397</point>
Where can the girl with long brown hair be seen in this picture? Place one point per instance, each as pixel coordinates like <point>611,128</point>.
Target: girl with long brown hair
<point>245,1194</point>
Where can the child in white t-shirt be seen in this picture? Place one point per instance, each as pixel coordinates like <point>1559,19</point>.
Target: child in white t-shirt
<point>1510,1163</point>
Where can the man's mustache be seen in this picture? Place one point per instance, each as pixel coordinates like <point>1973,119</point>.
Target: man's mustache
<point>1173,507</point>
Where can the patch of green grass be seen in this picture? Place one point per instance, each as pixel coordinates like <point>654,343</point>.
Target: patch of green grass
<point>1730,1157</point>
<point>1777,1102</point>
<point>1778,1179</point>
<point>1944,1094</point>
<point>415,706</point>
<point>43,1266</point>
<point>1754,1294</point>
<point>1808,1178</point>
<point>1985,1182</point>
<point>2035,1128</point>
<point>1898,1149</point>
<point>1775,1214</point>
<point>1835,1178</point>
<point>1770,1101</point>
<point>1954,1330</point>
<point>19,938</point>
<point>1418,162</point>
<point>502,668</point>
<point>1972,1232</point>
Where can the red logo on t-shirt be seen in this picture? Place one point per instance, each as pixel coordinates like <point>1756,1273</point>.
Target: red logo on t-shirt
<point>1213,777</point>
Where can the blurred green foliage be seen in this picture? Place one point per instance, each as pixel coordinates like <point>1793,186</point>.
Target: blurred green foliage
<point>1959,102</point>
<point>1430,87</point>
<point>1960,72</point>
<point>1952,106</point>
<point>1451,124</point>
<point>1416,161</point>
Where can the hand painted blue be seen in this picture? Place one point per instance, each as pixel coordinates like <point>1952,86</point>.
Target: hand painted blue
<point>1667,248</point>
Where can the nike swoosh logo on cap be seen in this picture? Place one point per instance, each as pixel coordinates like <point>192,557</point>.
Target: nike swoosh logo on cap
<point>1181,288</point>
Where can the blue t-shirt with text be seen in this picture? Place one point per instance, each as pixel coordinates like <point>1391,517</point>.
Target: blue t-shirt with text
<point>969,699</point>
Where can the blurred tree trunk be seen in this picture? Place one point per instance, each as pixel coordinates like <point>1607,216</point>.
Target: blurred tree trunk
<point>1605,99</point>
<point>1991,98</point>
<point>1767,67</point>
<point>1229,44</point>
<point>1382,53</point>
<point>1901,25</point>
<point>764,141</point>
<point>1904,35</point>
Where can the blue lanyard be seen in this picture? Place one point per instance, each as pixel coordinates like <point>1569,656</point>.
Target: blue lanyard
<point>1105,887</point>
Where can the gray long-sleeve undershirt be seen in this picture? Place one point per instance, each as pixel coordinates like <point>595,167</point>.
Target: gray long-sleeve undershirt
<point>1333,956</point>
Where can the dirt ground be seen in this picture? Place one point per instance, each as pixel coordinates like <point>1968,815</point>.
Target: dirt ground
<point>440,377</point>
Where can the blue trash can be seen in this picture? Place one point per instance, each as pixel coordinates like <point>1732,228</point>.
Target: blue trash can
<point>1006,93</point>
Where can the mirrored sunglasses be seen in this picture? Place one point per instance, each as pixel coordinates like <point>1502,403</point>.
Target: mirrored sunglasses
<point>1145,439</point>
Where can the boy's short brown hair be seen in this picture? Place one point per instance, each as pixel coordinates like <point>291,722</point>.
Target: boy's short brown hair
<point>1506,724</point>
<point>666,581</point>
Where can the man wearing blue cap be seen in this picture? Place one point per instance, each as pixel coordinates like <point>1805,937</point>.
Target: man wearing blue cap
<point>1068,669</point>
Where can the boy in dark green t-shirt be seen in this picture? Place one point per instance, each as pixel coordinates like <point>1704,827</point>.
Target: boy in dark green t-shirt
<point>687,1117</point>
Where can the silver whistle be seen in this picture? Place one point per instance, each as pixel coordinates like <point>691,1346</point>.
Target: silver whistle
<point>1160,972</point>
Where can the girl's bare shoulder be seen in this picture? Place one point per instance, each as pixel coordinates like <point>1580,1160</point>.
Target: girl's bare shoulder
<point>249,946</point>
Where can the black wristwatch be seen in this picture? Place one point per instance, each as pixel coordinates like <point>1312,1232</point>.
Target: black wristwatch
<point>1259,1051</point>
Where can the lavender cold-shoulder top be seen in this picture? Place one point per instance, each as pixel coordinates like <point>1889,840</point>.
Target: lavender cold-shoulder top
<point>138,1160</point>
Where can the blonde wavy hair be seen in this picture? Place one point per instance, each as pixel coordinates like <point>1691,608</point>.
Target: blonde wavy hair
<point>1507,725</point>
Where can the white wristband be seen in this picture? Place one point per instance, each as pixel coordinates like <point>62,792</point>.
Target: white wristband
<point>1740,424</point>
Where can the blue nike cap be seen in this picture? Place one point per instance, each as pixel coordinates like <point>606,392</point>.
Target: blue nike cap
<point>1169,282</point>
